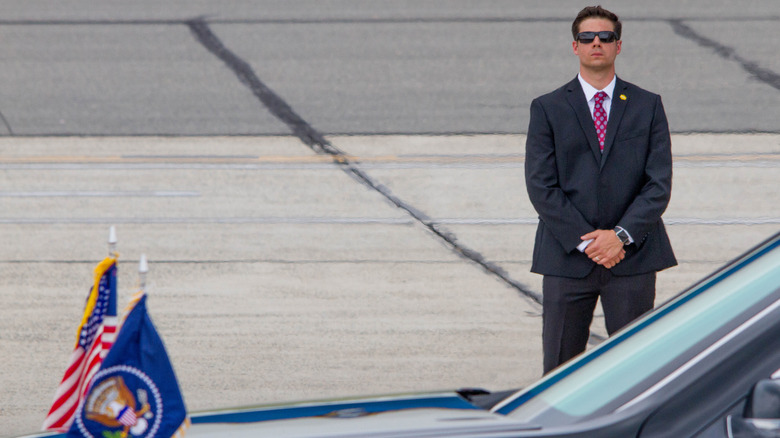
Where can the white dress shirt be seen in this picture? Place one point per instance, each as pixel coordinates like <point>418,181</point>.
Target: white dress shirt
<point>590,93</point>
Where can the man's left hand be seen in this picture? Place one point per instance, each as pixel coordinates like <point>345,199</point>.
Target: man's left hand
<point>606,249</point>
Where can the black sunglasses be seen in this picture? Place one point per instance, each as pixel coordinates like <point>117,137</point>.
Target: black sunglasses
<point>606,36</point>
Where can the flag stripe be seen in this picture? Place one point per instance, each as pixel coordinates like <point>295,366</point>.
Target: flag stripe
<point>71,377</point>
<point>67,394</point>
<point>63,402</point>
<point>67,418</point>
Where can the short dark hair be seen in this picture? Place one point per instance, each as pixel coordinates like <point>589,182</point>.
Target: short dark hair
<point>596,12</point>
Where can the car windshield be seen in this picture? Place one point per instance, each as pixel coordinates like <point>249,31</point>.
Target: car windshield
<point>606,373</point>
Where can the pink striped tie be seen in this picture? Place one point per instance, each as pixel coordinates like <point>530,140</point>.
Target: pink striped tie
<point>600,118</point>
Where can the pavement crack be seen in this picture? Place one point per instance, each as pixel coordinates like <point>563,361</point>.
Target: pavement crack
<point>319,144</point>
<point>6,124</point>
<point>276,105</point>
<point>762,74</point>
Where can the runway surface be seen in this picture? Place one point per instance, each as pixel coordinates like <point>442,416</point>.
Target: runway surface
<point>331,193</point>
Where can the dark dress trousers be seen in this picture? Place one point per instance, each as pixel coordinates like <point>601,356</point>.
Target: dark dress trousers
<point>575,188</point>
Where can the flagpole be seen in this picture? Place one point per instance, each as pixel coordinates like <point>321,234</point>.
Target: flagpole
<point>112,241</point>
<point>143,269</point>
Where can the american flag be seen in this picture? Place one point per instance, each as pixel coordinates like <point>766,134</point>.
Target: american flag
<point>96,335</point>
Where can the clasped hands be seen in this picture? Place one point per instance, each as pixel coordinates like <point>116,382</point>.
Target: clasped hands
<point>606,249</point>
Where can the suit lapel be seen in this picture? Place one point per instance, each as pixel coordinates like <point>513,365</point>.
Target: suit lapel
<point>576,98</point>
<point>617,108</point>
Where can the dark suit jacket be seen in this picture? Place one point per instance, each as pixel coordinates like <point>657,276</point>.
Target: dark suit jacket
<point>576,189</point>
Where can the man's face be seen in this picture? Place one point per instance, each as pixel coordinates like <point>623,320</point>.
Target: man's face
<point>597,55</point>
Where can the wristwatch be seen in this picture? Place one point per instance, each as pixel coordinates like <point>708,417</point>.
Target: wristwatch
<point>622,235</point>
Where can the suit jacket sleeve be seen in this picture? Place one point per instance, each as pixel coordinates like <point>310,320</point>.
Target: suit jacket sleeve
<point>646,209</point>
<point>555,209</point>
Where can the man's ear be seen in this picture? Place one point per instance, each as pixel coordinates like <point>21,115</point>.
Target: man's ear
<point>575,47</point>
<point>619,45</point>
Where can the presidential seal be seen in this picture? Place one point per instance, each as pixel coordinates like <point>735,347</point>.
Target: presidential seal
<point>121,402</point>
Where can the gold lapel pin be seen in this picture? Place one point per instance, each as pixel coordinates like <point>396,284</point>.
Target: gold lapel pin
<point>623,97</point>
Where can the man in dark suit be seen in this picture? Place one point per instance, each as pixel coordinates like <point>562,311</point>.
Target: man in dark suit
<point>599,174</point>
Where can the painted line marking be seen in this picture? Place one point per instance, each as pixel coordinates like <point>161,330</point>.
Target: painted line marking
<point>352,221</point>
<point>98,194</point>
<point>284,159</point>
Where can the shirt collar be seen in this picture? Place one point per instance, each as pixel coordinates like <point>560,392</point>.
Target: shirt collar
<point>590,91</point>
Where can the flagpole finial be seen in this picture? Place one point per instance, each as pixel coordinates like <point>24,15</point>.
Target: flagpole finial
<point>143,269</point>
<point>112,241</point>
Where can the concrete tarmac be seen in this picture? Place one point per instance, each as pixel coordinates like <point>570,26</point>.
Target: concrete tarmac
<point>277,276</point>
<point>331,193</point>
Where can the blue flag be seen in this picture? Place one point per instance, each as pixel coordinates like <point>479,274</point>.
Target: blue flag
<point>135,393</point>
